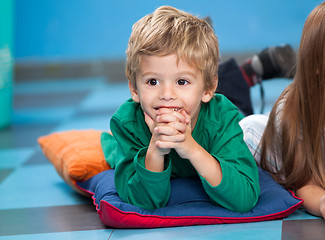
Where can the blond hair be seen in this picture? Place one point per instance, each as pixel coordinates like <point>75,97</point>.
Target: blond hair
<point>171,31</point>
<point>301,142</point>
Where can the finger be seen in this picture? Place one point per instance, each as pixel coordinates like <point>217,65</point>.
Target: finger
<point>171,117</point>
<point>180,127</point>
<point>162,111</point>
<point>172,138</point>
<point>165,130</point>
<point>167,118</point>
<point>164,146</point>
<point>168,144</point>
<point>186,116</point>
<point>173,128</point>
<point>150,122</point>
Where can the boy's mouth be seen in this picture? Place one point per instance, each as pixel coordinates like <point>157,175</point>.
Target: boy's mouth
<point>173,108</point>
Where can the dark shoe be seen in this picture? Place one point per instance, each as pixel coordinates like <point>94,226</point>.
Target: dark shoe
<point>278,62</point>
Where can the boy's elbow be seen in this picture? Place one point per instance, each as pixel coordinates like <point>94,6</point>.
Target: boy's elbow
<point>148,205</point>
<point>250,195</point>
<point>250,204</point>
<point>144,201</point>
<point>245,206</point>
<point>247,202</point>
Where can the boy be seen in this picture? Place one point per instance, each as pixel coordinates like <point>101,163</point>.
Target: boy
<point>174,125</point>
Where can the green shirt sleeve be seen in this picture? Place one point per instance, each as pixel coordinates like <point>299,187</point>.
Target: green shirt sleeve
<point>134,183</point>
<point>239,189</point>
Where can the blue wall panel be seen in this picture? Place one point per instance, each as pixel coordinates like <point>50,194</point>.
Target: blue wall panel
<point>60,30</point>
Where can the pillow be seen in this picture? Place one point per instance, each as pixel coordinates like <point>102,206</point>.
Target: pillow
<point>76,155</point>
<point>188,204</point>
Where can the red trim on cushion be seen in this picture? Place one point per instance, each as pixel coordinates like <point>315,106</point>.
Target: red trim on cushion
<point>114,217</point>
<point>90,194</point>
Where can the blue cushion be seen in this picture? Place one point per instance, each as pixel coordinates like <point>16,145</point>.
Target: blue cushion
<point>188,204</point>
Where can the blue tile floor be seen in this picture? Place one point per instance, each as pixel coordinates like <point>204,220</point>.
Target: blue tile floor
<point>35,203</point>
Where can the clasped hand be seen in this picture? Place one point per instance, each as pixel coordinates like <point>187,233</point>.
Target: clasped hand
<point>171,130</point>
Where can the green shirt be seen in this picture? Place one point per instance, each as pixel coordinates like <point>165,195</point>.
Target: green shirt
<point>217,131</point>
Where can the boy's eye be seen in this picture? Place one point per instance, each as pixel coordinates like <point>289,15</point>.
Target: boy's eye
<point>182,82</point>
<point>152,82</point>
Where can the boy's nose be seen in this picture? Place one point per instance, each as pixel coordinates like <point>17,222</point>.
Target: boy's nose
<point>167,92</point>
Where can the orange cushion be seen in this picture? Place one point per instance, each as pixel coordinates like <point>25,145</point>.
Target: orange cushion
<point>76,155</point>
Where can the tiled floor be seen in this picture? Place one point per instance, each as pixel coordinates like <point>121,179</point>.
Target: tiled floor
<point>35,203</point>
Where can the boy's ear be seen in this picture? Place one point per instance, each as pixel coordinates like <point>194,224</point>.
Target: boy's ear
<point>210,92</point>
<point>134,92</point>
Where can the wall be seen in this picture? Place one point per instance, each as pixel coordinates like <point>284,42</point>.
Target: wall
<point>88,30</point>
<point>6,60</point>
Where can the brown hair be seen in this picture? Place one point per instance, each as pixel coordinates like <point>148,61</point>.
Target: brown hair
<point>299,140</point>
<point>171,31</point>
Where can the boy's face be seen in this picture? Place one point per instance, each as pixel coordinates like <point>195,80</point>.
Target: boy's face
<point>164,83</point>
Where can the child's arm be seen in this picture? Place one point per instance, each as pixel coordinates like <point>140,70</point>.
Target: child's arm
<point>134,183</point>
<point>155,156</point>
<point>314,198</point>
<point>228,161</point>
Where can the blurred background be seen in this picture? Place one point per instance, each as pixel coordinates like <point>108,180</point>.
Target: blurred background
<point>55,35</point>
<point>62,68</point>
<point>59,39</point>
